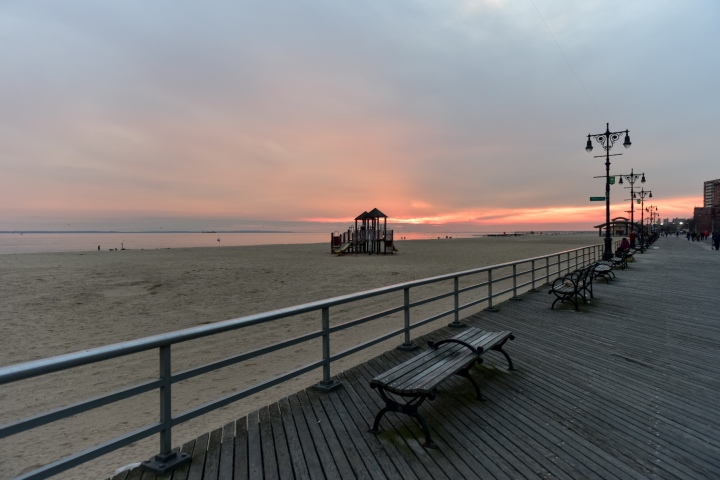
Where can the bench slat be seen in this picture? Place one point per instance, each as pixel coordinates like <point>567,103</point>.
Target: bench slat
<point>424,372</point>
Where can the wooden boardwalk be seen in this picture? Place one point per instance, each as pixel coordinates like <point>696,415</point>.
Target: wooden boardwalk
<point>626,388</point>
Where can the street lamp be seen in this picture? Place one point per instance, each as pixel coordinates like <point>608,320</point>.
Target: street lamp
<point>641,197</point>
<point>607,140</point>
<point>632,177</point>
<point>652,210</point>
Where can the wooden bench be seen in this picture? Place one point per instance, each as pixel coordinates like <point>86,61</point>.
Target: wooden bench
<point>417,379</point>
<point>620,259</point>
<point>604,269</point>
<point>572,286</point>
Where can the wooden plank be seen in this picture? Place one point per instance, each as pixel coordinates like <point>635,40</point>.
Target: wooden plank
<point>332,425</point>
<point>227,451</point>
<point>312,455</point>
<point>333,460</point>
<point>299,467</point>
<point>351,401</point>
<point>241,461</point>
<point>285,467</point>
<point>212,461</point>
<point>198,459</point>
<point>135,474</point>
<point>255,460</point>
<point>267,442</point>
<point>181,473</point>
<point>609,419</point>
<point>360,456</point>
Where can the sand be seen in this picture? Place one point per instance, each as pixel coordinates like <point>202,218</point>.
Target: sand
<point>65,302</point>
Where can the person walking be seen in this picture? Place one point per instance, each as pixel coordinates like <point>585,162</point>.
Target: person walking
<point>716,239</point>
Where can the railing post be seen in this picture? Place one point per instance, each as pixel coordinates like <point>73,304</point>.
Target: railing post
<point>567,261</point>
<point>168,459</point>
<point>490,307</point>
<point>533,289</point>
<point>515,295</point>
<point>457,323</point>
<point>559,268</point>
<point>408,345</point>
<point>547,270</point>
<point>326,384</point>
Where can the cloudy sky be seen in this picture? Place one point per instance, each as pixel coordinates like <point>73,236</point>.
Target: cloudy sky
<point>471,114</point>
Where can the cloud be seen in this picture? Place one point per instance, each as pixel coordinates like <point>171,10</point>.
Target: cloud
<point>435,112</point>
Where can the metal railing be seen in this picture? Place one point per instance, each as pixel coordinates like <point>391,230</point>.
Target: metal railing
<point>525,275</point>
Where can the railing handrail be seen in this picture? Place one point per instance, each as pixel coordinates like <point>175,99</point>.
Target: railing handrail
<point>32,368</point>
<point>11,373</point>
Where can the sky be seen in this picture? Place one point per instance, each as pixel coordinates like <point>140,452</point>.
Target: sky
<point>465,115</point>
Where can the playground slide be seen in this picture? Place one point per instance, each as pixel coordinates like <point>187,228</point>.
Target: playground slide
<point>342,249</point>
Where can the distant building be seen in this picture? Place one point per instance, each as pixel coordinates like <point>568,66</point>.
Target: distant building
<point>707,217</point>
<point>619,226</point>
<point>711,192</point>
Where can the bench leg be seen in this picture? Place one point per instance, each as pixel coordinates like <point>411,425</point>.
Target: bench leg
<point>410,409</point>
<point>499,348</point>
<point>465,373</point>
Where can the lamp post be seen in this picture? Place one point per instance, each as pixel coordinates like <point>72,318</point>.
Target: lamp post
<point>652,210</point>
<point>607,140</point>
<point>632,177</point>
<point>642,194</point>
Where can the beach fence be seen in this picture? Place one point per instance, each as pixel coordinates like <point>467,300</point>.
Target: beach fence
<point>455,293</point>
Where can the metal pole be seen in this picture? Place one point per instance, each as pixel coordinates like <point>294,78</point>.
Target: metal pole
<point>642,220</point>
<point>608,240</point>
<point>515,295</point>
<point>456,323</point>
<point>490,307</point>
<point>165,400</point>
<point>632,199</point>
<point>408,345</point>
<point>533,289</point>
<point>327,383</point>
<point>168,459</point>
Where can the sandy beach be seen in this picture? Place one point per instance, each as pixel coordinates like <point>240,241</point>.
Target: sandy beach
<point>56,303</point>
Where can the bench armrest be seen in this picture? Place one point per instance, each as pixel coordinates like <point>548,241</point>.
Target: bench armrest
<point>435,345</point>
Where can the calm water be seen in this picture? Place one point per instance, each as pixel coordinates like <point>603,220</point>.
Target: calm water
<point>81,242</point>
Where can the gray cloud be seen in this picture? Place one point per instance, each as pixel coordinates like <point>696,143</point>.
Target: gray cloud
<point>459,105</point>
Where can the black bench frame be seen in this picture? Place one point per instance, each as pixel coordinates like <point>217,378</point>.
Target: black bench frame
<point>572,286</point>
<point>604,269</point>
<point>417,379</point>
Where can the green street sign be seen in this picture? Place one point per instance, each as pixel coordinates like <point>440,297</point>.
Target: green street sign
<point>597,199</point>
<point>639,201</point>
<point>611,180</point>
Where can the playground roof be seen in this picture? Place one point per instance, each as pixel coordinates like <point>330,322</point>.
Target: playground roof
<point>375,213</point>
<point>363,216</point>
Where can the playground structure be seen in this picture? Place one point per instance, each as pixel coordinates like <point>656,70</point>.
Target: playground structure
<point>368,235</point>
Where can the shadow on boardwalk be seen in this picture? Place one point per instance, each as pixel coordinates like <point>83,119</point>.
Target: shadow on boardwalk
<point>625,388</point>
